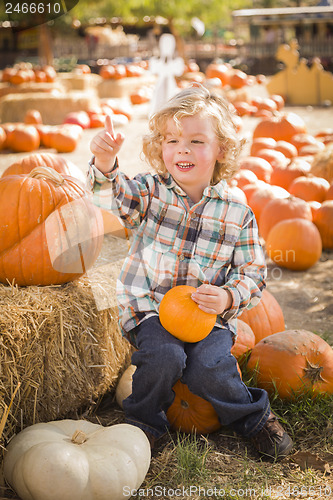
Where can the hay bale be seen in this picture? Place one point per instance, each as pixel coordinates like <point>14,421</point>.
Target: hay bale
<point>124,87</point>
<point>72,81</point>
<point>53,107</point>
<point>23,88</point>
<point>59,349</point>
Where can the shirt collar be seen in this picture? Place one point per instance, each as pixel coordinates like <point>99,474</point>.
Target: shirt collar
<point>216,191</point>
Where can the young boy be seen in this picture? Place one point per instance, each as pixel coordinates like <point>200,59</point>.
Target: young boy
<point>188,229</point>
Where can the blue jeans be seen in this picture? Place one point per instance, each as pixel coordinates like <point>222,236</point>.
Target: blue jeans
<point>207,367</point>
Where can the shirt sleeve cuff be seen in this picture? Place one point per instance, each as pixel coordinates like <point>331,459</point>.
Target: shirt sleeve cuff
<point>98,175</point>
<point>233,310</point>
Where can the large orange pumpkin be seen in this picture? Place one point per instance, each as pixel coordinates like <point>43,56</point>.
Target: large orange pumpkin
<point>50,233</point>
<point>294,244</point>
<point>264,195</point>
<point>279,209</point>
<point>191,413</point>
<point>182,317</point>
<point>34,160</point>
<point>265,318</point>
<point>281,127</point>
<point>283,176</point>
<point>293,361</point>
<point>323,219</point>
<point>309,188</point>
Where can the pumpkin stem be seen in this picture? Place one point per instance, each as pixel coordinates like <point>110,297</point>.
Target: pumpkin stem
<point>184,404</point>
<point>313,372</point>
<point>79,437</point>
<point>47,173</point>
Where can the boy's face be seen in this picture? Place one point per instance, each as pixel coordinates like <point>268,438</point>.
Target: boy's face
<point>190,154</point>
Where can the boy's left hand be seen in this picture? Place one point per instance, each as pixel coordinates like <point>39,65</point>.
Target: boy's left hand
<point>212,299</point>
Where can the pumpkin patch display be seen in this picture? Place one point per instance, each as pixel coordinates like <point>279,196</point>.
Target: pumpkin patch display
<point>76,459</point>
<point>294,244</point>
<point>57,239</point>
<point>265,318</point>
<point>182,317</point>
<point>292,362</point>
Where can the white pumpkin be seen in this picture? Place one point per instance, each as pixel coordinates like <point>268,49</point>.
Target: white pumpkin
<point>124,386</point>
<point>76,460</point>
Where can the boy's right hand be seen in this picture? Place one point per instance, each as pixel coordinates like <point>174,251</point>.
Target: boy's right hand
<point>105,147</point>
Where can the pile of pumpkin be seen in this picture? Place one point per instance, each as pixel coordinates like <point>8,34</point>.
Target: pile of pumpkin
<point>64,138</point>
<point>26,72</point>
<point>287,180</point>
<point>287,361</point>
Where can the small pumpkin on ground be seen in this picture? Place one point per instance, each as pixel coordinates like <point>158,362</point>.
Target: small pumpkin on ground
<point>76,459</point>
<point>293,361</point>
<point>265,318</point>
<point>182,317</point>
<point>294,244</point>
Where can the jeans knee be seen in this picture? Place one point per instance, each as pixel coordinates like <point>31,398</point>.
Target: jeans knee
<point>166,359</point>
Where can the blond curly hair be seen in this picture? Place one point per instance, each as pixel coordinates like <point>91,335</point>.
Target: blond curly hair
<point>188,102</point>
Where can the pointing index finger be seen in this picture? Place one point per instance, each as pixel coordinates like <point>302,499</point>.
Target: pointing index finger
<point>109,126</point>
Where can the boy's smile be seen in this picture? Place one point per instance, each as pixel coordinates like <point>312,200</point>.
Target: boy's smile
<point>190,153</point>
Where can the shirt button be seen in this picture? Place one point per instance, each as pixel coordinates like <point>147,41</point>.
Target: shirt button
<point>221,232</point>
<point>181,257</point>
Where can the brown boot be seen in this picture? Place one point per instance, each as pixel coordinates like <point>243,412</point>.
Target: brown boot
<point>272,441</point>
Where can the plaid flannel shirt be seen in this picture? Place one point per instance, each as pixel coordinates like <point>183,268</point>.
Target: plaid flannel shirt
<point>177,242</point>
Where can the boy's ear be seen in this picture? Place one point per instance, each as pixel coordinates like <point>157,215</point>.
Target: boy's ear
<point>221,153</point>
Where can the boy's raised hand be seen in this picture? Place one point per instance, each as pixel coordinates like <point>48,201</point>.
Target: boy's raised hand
<point>105,146</point>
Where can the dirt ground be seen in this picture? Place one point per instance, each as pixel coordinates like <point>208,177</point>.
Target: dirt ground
<point>306,298</point>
